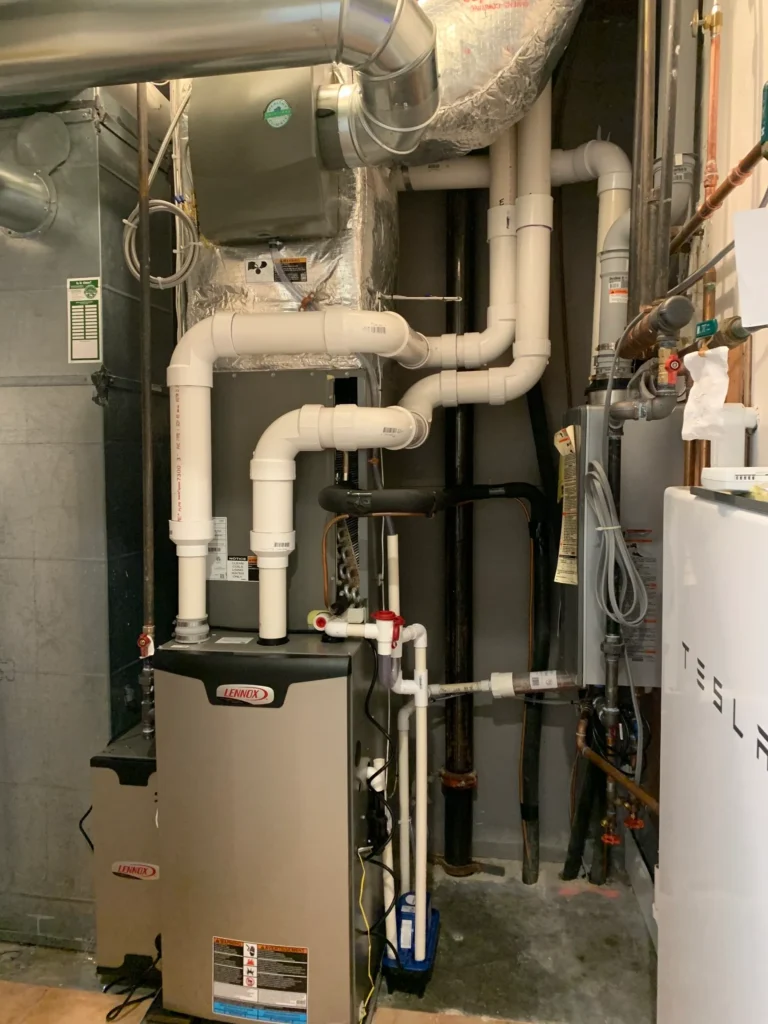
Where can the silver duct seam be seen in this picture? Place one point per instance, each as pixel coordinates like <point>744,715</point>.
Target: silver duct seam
<point>353,269</point>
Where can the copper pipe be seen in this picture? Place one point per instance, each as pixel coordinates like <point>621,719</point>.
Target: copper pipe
<point>689,455</point>
<point>623,780</point>
<point>736,176</point>
<point>668,316</point>
<point>711,172</point>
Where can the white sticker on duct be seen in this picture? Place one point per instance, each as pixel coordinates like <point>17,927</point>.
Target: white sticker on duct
<point>543,681</point>
<point>84,319</point>
<point>218,550</point>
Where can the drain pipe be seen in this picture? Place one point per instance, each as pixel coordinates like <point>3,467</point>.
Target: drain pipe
<point>532,346</point>
<point>273,471</point>
<point>190,378</point>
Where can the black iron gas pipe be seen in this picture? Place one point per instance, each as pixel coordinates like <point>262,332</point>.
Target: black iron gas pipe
<point>459,779</point>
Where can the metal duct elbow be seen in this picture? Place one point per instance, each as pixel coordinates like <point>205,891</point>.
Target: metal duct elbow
<point>392,44</point>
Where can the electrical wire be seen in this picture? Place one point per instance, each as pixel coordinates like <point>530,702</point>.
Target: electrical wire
<point>360,903</point>
<point>81,826</point>
<point>117,1011</point>
<point>638,719</point>
<point>620,591</point>
<point>187,237</point>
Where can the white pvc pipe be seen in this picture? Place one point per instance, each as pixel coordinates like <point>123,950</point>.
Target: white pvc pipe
<point>481,348</point>
<point>610,166</point>
<point>192,581</point>
<point>422,797</point>
<point>379,784</point>
<point>614,275</point>
<point>462,173</point>
<point>273,600</point>
<point>191,526</point>
<point>532,346</point>
<point>273,471</point>
<point>404,793</point>
<point>393,572</point>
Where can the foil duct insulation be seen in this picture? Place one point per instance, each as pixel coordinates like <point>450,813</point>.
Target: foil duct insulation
<point>355,269</point>
<point>495,57</point>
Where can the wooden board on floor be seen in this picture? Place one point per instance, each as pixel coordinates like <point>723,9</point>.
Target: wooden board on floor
<point>388,1015</point>
<point>34,1004</point>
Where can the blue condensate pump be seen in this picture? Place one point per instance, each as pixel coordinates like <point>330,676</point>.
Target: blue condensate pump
<point>403,972</point>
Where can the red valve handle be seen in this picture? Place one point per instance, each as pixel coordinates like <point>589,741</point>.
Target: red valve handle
<point>611,839</point>
<point>673,366</point>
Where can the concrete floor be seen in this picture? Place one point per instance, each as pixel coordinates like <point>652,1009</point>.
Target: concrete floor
<point>554,953</point>
<point>52,968</point>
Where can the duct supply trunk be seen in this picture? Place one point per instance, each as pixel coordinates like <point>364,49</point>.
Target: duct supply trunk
<point>711,899</point>
<point>124,830</point>
<point>652,459</point>
<point>262,760</point>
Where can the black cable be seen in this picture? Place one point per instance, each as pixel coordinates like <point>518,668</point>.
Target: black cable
<point>371,857</point>
<point>116,1012</point>
<point>81,826</point>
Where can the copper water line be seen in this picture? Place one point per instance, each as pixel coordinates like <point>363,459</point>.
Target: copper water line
<point>736,176</point>
<point>618,776</point>
<point>711,173</point>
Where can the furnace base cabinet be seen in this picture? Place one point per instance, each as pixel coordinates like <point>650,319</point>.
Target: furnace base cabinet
<point>123,828</point>
<point>711,891</point>
<point>262,757</point>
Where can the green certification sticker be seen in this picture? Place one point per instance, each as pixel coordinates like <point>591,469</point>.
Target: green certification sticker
<point>278,113</point>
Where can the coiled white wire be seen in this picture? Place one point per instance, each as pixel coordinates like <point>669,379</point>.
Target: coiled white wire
<point>621,593</point>
<point>187,237</point>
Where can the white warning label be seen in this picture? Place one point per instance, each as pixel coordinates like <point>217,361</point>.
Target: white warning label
<point>568,560</point>
<point>618,288</point>
<point>257,981</point>
<point>643,640</point>
<point>543,681</point>
<point>218,550</point>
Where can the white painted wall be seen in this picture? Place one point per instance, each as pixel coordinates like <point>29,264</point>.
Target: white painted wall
<point>744,70</point>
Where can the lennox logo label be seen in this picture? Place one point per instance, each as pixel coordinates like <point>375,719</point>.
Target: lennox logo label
<point>255,695</point>
<point>136,870</point>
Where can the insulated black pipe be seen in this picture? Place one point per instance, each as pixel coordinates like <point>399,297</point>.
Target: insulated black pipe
<point>533,711</point>
<point>459,779</point>
<point>542,439</point>
<point>582,820</point>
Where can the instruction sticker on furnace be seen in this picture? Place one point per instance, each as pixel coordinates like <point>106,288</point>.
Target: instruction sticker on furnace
<point>568,559</point>
<point>257,981</point>
<point>84,319</point>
